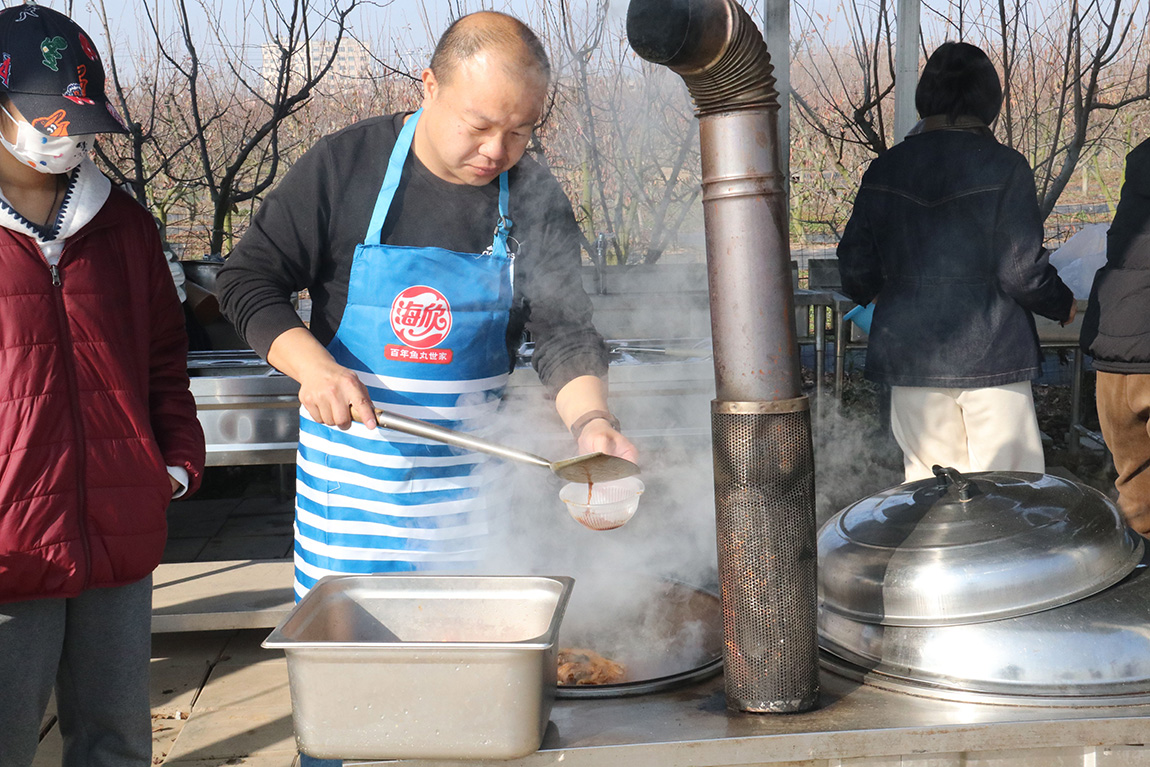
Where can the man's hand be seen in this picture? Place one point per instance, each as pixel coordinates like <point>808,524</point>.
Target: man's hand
<point>331,393</point>
<point>598,437</point>
<point>176,486</point>
<point>584,395</point>
<point>1073,313</point>
<point>334,395</point>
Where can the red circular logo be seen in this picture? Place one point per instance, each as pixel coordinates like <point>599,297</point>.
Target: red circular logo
<point>421,317</point>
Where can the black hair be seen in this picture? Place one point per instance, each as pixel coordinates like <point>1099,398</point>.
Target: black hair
<point>959,79</point>
<point>489,30</point>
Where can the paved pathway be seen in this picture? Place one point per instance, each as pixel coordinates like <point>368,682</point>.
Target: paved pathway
<point>218,698</point>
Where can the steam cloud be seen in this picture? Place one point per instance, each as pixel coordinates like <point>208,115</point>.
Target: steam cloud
<point>621,575</point>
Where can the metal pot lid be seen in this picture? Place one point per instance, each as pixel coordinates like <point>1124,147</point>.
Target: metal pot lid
<point>964,549</point>
<point>1095,651</point>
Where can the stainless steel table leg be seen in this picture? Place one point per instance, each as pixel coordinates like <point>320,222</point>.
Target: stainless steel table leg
<point>1075,404</point>
<point>840,352</point>
<point>820,350</point>
<point>285,487</point>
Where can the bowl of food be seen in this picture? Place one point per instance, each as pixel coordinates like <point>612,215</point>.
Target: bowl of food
<point>602,505</point>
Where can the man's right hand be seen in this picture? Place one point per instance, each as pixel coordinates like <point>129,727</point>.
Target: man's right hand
<point>332,394</point>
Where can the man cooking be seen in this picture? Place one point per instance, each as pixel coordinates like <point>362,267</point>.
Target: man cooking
<point>427,242</point>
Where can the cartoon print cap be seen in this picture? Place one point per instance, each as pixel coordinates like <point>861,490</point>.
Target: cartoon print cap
<point>51,71</point>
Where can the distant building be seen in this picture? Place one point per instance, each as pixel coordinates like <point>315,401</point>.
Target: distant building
<point>353,62</point>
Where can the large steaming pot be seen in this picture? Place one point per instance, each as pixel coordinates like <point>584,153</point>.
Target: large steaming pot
<point>996,587</point>
<point>666,633</point>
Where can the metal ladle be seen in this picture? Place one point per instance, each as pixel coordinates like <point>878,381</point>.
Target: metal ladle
<point>589,468</point>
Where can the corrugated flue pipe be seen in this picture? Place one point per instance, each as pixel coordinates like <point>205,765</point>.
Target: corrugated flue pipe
<point>760,421</point>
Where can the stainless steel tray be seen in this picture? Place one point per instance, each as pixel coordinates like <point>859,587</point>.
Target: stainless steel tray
<point>423,666</point>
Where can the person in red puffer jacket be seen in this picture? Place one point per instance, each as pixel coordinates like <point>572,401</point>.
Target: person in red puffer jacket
<point>98,428</point>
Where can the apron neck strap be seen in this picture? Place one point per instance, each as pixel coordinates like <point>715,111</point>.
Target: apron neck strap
<point>391,180</point>
<point>391,183</point>
<point>503,228</point>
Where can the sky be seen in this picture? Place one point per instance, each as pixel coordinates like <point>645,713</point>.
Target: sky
<point>417,23</point>
<point>399,32</point>
<point>410,21</point>
<point>410,24</point>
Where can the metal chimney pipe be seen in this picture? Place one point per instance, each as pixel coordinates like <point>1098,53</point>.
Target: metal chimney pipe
<point>760,421</point>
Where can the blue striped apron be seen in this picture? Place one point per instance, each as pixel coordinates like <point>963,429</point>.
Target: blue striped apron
<point>425,331</point>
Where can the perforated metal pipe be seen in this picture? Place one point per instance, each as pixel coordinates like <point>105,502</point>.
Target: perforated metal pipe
<point>760,422</point>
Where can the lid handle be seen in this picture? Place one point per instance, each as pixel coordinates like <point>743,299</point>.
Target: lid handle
<point>949,476</point>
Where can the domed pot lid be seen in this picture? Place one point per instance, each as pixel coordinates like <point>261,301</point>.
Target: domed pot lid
<point>964,549</point>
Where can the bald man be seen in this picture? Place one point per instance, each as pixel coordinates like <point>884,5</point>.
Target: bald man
<point>428,242</point>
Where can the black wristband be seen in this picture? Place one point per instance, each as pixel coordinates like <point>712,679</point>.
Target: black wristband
<point>592,415</point>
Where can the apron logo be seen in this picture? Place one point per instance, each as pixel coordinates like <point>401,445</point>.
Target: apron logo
<point>421,319</point>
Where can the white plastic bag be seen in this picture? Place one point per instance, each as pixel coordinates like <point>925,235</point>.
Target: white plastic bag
<point>1080,257</point>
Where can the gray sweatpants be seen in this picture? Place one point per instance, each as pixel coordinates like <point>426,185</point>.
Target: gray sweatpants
<point>95,649</point>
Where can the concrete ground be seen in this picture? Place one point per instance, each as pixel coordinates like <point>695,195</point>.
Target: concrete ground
<point>218,698</point>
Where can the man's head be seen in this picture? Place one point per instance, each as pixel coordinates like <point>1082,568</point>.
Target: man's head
<point>959,79</point>
<point>482,96</point>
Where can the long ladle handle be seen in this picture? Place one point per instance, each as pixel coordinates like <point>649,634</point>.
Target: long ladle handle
<point>417,428</point>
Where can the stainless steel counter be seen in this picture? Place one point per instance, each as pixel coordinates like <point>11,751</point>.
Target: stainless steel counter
<point>248,419</point>
<point>855,725</point>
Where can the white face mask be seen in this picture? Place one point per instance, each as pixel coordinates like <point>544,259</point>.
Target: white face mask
<point>47,154</point>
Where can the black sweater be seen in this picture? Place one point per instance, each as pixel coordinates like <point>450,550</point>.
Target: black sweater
<point>1116,329</point>
<point>305,233</point>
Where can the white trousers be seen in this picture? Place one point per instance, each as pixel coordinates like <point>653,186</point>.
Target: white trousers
<point>989,429</point>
